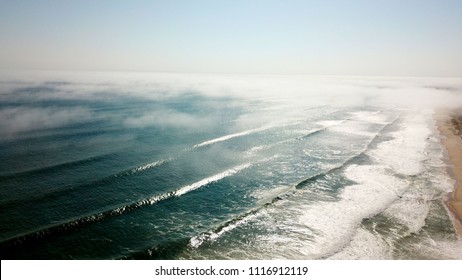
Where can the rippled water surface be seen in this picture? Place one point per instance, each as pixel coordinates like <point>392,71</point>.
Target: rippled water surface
<point>163,166</point>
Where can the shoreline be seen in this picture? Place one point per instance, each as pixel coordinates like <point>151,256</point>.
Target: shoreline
<point>450,127</point>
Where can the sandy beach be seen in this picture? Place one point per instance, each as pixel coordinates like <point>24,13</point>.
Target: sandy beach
<point>450,126</point>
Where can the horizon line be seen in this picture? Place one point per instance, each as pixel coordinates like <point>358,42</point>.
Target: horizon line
<point>224,73</point>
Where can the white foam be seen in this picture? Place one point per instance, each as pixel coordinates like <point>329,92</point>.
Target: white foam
<point>157,198</point>
<point>358,124</point>
<point>414,207</point>
<point>439,249</point>
<point>365,246</point>
<point>405,153</point>
<point>410,211</point>
<point>211,179</point>
<point>374,118</point>
<point>336,222</point>
<point>327,153</point>
<point>267,195</point>
<point>317,229</point>
<point>254,150</point>
<point>197,241</point>
<point>231,136</point>
<point>149,165</point>
<point>356,128</point>
<point>330,123</point>
<point>362,114</point>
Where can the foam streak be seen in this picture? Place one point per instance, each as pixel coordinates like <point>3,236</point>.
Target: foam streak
<point>230,136</point>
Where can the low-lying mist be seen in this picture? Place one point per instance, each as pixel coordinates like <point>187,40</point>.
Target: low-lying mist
<point>35,101</point>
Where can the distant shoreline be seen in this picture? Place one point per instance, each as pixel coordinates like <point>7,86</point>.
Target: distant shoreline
<point>450,127</point>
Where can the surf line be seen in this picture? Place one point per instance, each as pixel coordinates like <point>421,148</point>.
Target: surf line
<point>231,136</point>
<point>229,225</point>
<point>61,191</point>
<point>97,217</point>
<point>349,160</point>
<point>241,219</point>
<point>144,167</point>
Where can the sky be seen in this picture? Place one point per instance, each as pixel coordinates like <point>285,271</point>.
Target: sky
<point>355,37</point>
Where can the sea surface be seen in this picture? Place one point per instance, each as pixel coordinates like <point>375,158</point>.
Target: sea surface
<point>97,165</point>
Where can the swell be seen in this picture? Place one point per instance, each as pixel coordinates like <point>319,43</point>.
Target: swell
<point>255,130</point>
<point>97,217</point>
<point>263,128</point>
<point>311,133</point>
<point>307,135</point>
<point>230,136</point>
<point>64,190</point>
<point>54,168</point>
<point>350,160</point>
<point>157,252</point>
<point>211,179</point>
<point>76,223</point>
<point>229,225</point>
<point>324,128</point>
<point>208,236</point>
<point>142,168</point>
<point>164,251</point>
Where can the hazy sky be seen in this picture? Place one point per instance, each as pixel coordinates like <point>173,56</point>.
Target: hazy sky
<point>380,37</point>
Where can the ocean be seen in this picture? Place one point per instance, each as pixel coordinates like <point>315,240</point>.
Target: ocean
<point>114,165</point>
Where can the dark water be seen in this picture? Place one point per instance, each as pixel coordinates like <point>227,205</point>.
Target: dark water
<point>182,167</point>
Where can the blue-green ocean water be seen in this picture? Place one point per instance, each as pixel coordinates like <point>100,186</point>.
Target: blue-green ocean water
<point>163,166</point>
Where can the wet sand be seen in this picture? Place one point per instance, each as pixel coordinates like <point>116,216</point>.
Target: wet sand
<point>450,127</point>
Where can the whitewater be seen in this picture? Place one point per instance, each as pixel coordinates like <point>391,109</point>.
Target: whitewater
<point>99,165</point>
